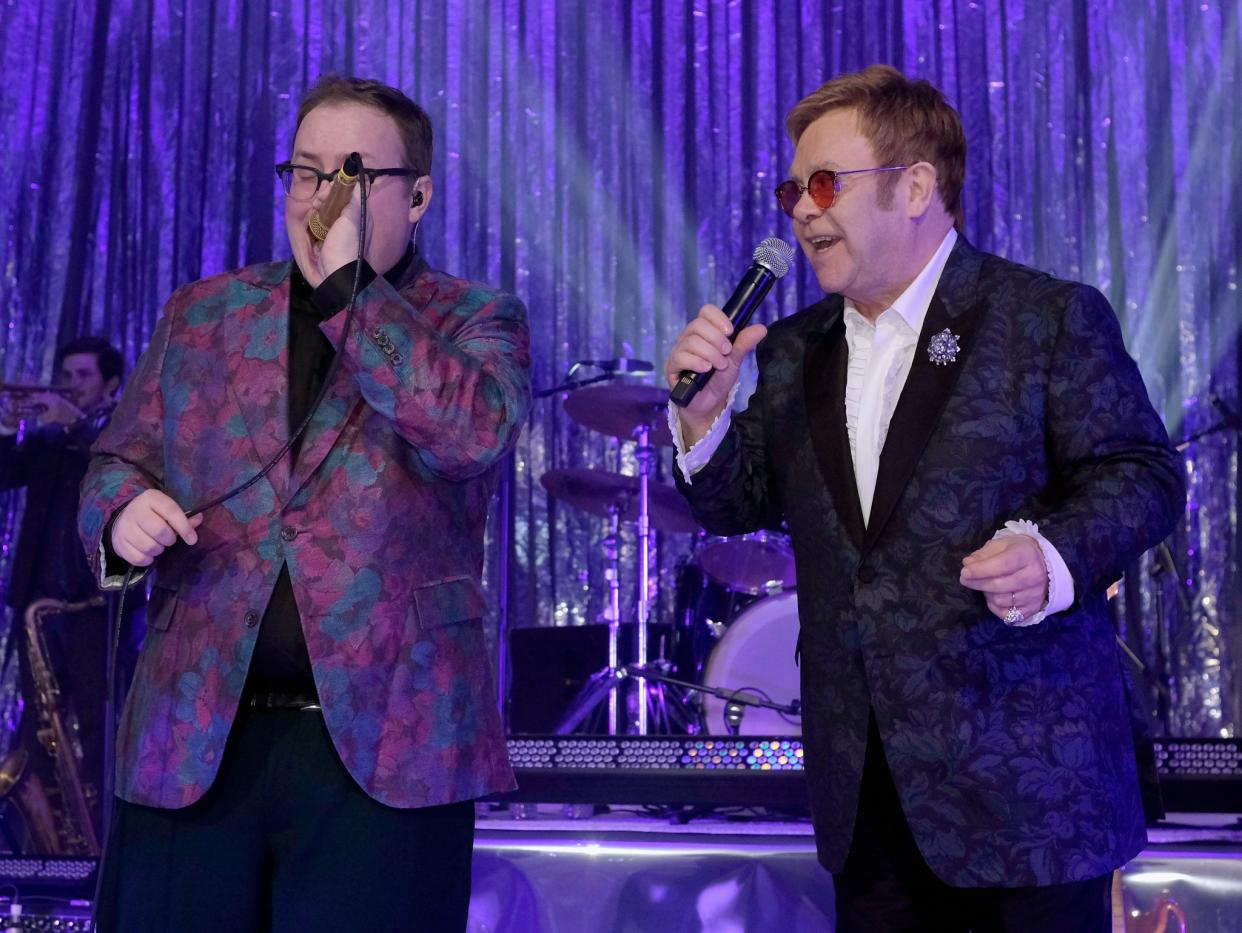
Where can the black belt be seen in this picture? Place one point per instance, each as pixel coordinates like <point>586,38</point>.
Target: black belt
<point>272,699</point>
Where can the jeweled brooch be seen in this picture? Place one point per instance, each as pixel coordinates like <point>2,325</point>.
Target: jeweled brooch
<point>943,347</point>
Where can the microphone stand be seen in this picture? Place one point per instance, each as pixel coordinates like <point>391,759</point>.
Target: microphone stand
<point>608,374</point>
<point>736,700</point>
<point>570,384</point>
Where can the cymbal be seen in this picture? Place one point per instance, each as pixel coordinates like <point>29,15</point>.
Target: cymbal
<point>598,491</point>
<point>619,410</point>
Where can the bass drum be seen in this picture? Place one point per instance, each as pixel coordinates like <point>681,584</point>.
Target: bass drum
<point>756,655</point>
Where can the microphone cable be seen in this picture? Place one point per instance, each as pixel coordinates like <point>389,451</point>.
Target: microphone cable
<point>112,727</point>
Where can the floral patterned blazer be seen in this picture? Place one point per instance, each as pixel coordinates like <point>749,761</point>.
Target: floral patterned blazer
<point>1010,747</point>
<point>380,520</point>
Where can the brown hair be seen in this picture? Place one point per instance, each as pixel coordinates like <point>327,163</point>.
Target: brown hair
<point>905,121</point>
<point>413,124</point>
<point>108,358</point>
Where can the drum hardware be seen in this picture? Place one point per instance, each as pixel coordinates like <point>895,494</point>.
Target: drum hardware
<point>756,654</point>
<point>722,578</point>
<point>737,573</point>
<point>703,608</point>
<point>637,412</point>
<point>618,498</point>
<point>607,371</point>
<point>612,552</point>
<point>601,492</point>
<point>623,411</point>
<point>673,710</point>
<point>631,498</point>
<point>736,700</point>
<point>758,564</point>
<point>646,463</point>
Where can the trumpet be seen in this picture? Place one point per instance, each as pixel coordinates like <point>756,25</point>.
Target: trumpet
<point>21,388</point>
<point>19,401</point>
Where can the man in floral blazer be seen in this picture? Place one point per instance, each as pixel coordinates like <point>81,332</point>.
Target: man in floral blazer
<point>314,707</point>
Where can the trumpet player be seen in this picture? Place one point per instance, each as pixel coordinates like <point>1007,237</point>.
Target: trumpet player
<point>49,459</point>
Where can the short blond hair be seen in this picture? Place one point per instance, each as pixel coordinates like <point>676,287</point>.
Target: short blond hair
<point>904,121</point>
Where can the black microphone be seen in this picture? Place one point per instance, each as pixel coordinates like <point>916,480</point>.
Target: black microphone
<point>772,259</point>
<point>342,190</point>
<point>622,364</point>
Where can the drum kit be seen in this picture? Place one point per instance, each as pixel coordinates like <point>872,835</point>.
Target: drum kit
<point>735,626</point>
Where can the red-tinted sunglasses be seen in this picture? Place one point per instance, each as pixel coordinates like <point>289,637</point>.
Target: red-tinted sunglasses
<point>823,186</point>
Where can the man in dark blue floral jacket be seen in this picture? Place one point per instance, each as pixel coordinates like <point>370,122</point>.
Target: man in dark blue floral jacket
<point>966,456</point>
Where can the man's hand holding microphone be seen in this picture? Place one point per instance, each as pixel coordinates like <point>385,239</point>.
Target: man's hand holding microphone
<point>703,366</point>
<point>705,346</point>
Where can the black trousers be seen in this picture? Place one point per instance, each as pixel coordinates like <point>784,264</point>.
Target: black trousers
<point>886,887</point>
<point>286,842</point>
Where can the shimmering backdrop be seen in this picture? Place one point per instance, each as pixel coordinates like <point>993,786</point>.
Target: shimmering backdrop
<point>612,163</point>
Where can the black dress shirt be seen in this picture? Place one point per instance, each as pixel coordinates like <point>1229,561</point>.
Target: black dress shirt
<point>281,663</point>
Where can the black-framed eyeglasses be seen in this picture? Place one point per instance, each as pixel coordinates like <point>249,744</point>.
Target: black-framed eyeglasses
<point>302,181</point>
<point>823,185</point>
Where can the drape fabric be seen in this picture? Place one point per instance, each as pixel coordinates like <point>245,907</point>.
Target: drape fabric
<point>613,164</point>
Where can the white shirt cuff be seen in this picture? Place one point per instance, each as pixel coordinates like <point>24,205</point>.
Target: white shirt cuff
<point>692,460</point>
<point>1060,582</point>
<point>117,580</point>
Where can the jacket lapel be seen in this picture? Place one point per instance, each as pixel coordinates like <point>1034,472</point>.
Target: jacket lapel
<point>344,394</point>
<point>258,378</point>
<point>956,306</point>
<point>329,420</point>
<point>825,365</point>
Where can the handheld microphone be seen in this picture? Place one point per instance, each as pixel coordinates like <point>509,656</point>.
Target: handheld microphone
<point>342,190</point>
<point>772,259</point>
<point>622,364</point>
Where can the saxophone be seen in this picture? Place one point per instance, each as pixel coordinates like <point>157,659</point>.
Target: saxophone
<point>67,829</point>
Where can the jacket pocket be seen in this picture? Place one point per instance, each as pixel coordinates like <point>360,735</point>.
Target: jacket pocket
<point>165,604</point>
<point>457,599</point>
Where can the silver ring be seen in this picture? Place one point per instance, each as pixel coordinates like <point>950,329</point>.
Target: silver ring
<point>1014,616</point>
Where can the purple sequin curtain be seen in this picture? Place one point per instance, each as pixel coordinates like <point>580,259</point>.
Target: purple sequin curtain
<point>612,163</point>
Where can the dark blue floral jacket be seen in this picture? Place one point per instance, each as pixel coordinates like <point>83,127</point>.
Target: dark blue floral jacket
<point>1010,747</point>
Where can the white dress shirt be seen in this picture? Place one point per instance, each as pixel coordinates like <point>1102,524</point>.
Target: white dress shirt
<point>880,357</point>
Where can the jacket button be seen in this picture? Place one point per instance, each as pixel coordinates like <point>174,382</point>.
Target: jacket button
<point>252,619</point>
<point>288,534</point>
<point>866,574</point>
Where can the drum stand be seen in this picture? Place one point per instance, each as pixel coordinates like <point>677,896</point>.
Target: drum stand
<point>652,699</point>
<point>646,464</point>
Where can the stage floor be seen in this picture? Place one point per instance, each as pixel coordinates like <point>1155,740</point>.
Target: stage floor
<point>627,871</point>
